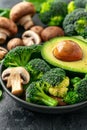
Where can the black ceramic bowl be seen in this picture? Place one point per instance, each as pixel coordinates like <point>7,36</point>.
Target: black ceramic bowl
<point>41,108</point>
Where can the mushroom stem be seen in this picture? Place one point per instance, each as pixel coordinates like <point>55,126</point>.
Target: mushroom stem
<point>3,37</point>
<point>26,21</point>
<point>16,85</point>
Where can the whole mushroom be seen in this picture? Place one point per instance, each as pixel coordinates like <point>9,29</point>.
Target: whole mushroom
<point>15,78</point>
<point>14,42</point>
<point>3,52</point>
<point>22,13</point>
<point>30,38</point>
<point>7,29</point>
<point>37,29</point>
<point>51,32</point>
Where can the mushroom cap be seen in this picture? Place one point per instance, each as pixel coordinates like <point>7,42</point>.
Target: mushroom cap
<point>6,73</point>
<point>21,9</point>
<point>16,70</point>
<point>14,42</point>
<point>37,29</point>
<point>51,32</point>
<point>8,25</point>
<point>3,52</point>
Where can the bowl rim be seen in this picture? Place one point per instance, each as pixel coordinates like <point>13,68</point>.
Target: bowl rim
<point>40,108</point>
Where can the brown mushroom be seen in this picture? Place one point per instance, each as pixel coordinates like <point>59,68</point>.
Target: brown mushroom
<point>14,42</point>
<point>15,78</point>
<point>37,29</point>
<point>51,32</point>
<point>7,29</point>
<point>3,52</point>
<point>22,13</point>
<point>30,38</point>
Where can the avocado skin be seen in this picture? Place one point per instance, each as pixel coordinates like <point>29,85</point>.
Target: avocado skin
<point>79,66</point>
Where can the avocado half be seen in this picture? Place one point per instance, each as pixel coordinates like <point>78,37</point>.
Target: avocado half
<point>75,66</point>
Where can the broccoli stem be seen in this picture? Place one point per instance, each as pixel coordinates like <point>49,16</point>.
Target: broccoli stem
<point>13,64</point>
<point>47,100</point>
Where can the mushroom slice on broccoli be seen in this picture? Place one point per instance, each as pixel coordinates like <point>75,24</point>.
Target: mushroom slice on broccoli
<point>15,78</point>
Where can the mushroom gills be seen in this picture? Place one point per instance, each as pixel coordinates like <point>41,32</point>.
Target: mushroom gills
<point>30,38</point>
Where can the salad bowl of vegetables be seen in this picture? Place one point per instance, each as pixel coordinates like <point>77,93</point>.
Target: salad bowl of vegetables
<point>39,86</point>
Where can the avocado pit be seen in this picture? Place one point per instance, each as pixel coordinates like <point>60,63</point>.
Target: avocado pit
<point>68,50</point>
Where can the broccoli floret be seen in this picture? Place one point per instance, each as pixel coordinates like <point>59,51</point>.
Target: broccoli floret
<point>69,30</point>
<point>37,67</point>
<point>75,80</point>
<point>54,76</point>
<point>53,12</point>
<point>77,21</point>
<point>76,4</point>
<point>20,55</point>
<point>81,27</point>
<point>35,94</point>
<point>71,97</point>
<point>56,82</point>
<point>61,89</point>
<point>80,3</point>
<point>79,92</point>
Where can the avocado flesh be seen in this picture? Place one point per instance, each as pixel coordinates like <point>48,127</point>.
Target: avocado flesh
<point>75,66</point>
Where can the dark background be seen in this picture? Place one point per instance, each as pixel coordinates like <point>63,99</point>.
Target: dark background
<point>14,117</point>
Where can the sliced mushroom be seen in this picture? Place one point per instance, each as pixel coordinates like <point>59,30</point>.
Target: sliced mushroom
<point>22,13</point>
<point>3,52</point>
<point>7,29</point>
<point>15,78</point>
<point>30,38</point>
<point>14,42</point>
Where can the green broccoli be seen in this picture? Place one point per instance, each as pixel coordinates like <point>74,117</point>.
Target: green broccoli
<point>74,4</point>
<point>36,94</point>
<point>53,12</point>
<point>81,27</point>
<point>75,80</point>
<point>20,55</point>
<point>79,91</point>
<point>37,67</point>
<point>71,98</point>
<point>77,22</point>
<point>37,3</point>
<point>56,82</point>
<point>4,12</point>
